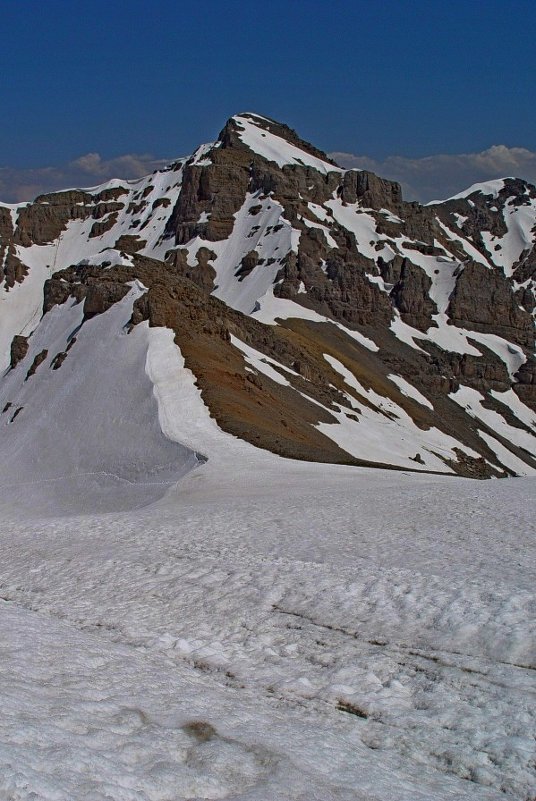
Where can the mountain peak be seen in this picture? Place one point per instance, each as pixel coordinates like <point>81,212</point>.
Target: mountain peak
<point>274,141</point>
<point>496,189</point>
<point>323,317</point>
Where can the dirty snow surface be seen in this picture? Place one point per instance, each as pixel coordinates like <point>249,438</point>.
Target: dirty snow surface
<point>268,630</point>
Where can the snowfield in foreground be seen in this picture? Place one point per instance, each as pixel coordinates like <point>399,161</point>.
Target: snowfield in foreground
<point>313,633</point>
<point>270,630</point>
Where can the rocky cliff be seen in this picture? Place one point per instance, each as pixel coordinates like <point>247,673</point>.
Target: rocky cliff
<point>323,316</point>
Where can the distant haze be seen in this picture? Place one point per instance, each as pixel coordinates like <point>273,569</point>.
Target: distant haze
<point>439,177</point>
<point>422,179</point>
<point>19,185</point>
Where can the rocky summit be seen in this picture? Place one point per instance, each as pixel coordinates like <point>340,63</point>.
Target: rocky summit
<point>323,317</point>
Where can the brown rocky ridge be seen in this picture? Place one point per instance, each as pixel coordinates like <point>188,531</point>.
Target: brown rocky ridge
<point>260,241</point>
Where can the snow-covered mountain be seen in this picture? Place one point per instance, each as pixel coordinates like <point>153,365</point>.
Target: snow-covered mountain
<point>322,316</point>
<point>267,628</point>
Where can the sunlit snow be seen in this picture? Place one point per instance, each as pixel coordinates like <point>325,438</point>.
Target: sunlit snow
<point>185,616</point>
<point>270,630</point>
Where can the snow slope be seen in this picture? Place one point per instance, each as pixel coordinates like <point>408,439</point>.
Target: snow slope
<point>86,436</point>
<point>275,148</point>
<point>186,616</point>
<point>271,630</point>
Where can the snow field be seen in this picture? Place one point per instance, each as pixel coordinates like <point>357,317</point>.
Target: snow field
<point>87,436</point>
<point>337,652</point>
<point>263,629</point>
<point>270,629</point>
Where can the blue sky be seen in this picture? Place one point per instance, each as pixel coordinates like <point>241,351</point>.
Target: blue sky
<point>372,78</point>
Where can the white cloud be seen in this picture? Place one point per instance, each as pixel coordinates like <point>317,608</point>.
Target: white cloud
<point>424,179</point>
<point>441,176</point>
<point>17,185</point>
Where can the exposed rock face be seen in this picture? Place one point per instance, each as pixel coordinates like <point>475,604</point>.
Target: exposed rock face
<point>201,273</point>
<point>6,237</point>
<point>335,281</point>
<point>442,294</point>
<point>485,372</point>
<point>19,349</point>
<point>14,269</point>
<point>100,296</point>
<point>525,387</point>
<point>248,263</point>
<point>482,210</point>
<point>372,191</point>
<point>218,191</point>
<point>469,466</point>
<point>483,301</point>
<point>39,359</point>
<point>526,298</point>
<point>45,219</point>
<point>99,228</point>
<point>525,269</point>
<point>56,292</point>
<point>130,244</point>
<point>352,298</point>
<point>58,360</point>
<point>411,297</point>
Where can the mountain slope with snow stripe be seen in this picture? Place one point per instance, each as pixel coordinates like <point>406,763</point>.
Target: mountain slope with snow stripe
<point>265,223</point>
